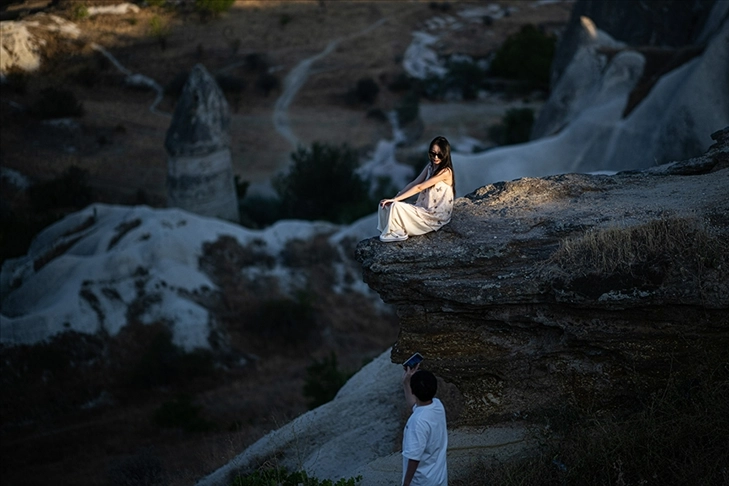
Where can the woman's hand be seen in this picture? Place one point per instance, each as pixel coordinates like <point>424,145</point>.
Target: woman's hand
<point>386,202</point>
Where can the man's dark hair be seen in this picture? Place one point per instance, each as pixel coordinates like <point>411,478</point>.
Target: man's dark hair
<point>424,385</point>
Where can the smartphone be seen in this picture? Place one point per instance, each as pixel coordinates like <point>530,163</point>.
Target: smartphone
<point>413,361</point>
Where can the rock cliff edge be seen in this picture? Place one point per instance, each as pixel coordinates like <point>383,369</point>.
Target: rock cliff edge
<point>572,289</point>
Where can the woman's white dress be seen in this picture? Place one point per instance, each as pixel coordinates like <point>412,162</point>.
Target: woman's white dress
<point>430,212</point>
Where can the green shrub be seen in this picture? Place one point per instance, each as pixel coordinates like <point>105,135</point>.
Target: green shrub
<point>323,381</point>
<point>466,78</point>
<point>408,109</point>
<point>514,128</point>
<point>162,363</point>
<point>284,320</point>
<point>57,103</point>
<point>181,413</point>
<point>284,19</point>
<point>79,11</point>
<point>143,468</point>
<point>322,184</point>
<point>17,80</point>
<point>281,477</point>
<point>526,56</point>
<point>70,190</point>
<point>175,86</point>
<point>230,84</point>
<point>267,82</point>
<point>160,30</point>
<point>366,91</point>
<point>257,211</point>
<point>213,7</point>
<point>402,82</point>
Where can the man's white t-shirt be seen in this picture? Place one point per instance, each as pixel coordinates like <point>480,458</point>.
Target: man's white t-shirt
<point>426,440</point>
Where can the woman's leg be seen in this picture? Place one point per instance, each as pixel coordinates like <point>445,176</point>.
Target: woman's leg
<point>383,215</point>
<point>403,219</point>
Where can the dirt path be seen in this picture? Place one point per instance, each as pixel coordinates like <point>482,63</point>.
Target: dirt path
<point>295,81</point>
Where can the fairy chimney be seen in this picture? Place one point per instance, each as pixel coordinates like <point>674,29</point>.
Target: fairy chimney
<point>199,171</point>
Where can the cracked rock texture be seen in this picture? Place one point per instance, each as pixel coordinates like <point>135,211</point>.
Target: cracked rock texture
<point>571,289</point>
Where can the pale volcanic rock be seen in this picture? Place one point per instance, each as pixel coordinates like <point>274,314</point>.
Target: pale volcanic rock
<point>199,169</point>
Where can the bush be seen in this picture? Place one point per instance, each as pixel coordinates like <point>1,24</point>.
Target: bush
<point>402,82</point>
<point>70,190</point>
<point>281,477</point>
<point>17,80</point>
<point>175,86</point>
<point>162,363</point>
<point>143,468</point>
<point>526,56</point>
<point>213,7</point>
<point>160,30</point>
<point>256,61</point>
<point>267,82</point>
<point>466,78</point>
<point>258,211</point>
<point>230,84</point>
<point>322,184</point>
<point>79,12</point>
<point>181,413</point>
<point>366,91</point>
<point>286,321</point>
<point>323,381</point>
<point>514,128</point>
<point>408,109</point>
<point>57,103</point>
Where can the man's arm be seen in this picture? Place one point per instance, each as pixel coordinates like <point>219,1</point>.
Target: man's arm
<point>409,397</point>
<point>410,472</point>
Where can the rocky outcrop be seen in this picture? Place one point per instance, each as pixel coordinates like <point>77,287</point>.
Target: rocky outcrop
<point>672,23</point>
<point>570,289</point>
<point>646,113</point>
<point>199,171</point>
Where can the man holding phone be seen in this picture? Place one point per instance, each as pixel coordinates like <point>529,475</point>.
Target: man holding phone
<point>425,439</point>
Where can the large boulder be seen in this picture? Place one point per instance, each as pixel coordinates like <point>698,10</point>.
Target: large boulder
<point>567,289</point>
<point>199,168</point>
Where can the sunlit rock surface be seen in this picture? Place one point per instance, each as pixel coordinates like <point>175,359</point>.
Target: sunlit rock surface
<point>571,289</point>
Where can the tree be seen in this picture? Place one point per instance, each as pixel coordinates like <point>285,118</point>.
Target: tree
<point>322,183</point>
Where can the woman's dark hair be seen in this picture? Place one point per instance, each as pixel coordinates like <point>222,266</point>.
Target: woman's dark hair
<point>423,385</point>
<point>445,162</point>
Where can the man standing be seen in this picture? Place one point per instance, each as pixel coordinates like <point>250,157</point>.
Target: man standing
<point>425,440</point>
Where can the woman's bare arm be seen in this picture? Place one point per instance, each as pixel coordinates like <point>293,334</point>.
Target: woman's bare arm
<point>417,180</point>
<point>445,176</point>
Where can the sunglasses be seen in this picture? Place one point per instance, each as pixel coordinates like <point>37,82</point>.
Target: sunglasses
<point>436,154</point>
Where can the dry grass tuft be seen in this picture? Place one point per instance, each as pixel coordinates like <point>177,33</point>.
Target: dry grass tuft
<point>679,242</point>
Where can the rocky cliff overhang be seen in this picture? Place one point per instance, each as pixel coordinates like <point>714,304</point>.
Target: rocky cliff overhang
<point>570,289</point>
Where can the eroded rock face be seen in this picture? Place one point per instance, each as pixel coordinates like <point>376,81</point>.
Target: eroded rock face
<point>674,23</point>
<point>199,170</point>
<point>200,124</point>
<point>571,289</point>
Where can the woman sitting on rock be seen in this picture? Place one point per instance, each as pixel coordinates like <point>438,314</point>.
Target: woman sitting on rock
<point>437,187</point>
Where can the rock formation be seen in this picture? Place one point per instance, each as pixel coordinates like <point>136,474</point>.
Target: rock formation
<point>199,172</point>
<point>567,290</point>
<point>670,23</point>
<point>593,122</point>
